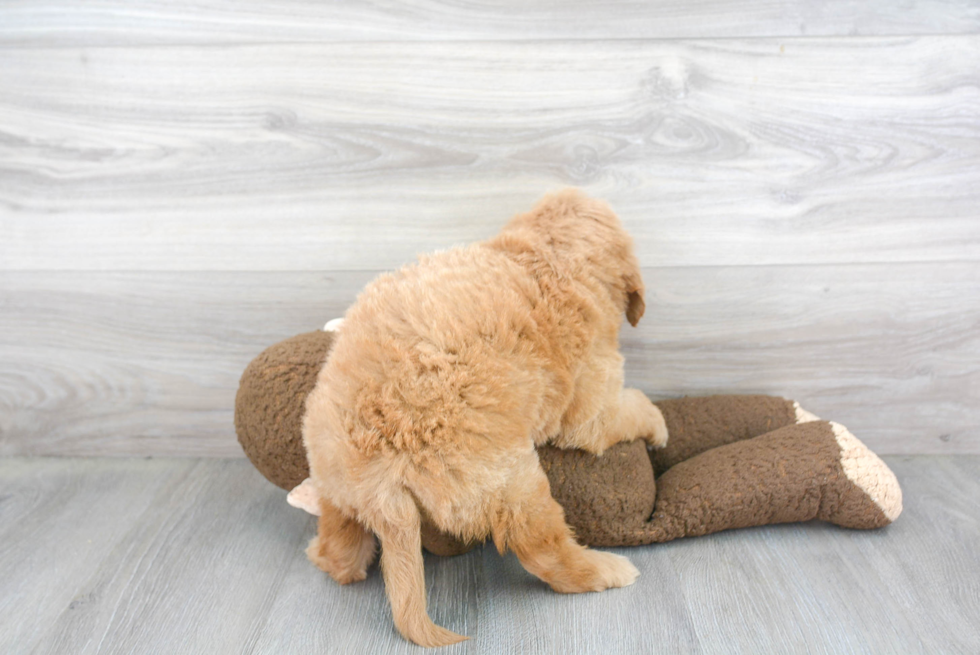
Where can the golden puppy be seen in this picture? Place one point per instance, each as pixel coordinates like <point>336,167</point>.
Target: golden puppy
<point>445,376</point>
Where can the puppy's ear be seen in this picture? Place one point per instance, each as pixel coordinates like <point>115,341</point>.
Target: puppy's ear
<point>635,305</point>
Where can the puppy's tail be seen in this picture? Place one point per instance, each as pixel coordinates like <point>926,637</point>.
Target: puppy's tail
<point>401,565</point>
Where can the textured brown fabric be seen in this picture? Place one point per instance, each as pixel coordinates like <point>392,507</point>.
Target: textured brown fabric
<point>270,403</point>
<point>699,424</point>
<point>607,498</point>
<point>442,544</point>
<point>791,474</point>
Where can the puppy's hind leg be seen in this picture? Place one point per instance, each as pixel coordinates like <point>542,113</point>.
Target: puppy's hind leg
<point>342,547</point>
<point>533,525</point>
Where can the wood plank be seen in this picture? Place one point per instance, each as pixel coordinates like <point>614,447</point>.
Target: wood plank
<point>358,156</point>
<point>196,573</point>
<point>522,614</point>
<point>59,521</point>
<point>87,358</point>
<point>114,22</point>
<point>210,560</point>
<point>889,351</point>
<point>148,363</point>
<point>357,617</point>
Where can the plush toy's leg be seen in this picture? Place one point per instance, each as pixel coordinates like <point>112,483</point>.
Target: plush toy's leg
<point>441,543</point>
<point>532,524</point>
<point>700,424</point>
<point>607,499</point>
<point>811,470</point>
<point>342,547</point>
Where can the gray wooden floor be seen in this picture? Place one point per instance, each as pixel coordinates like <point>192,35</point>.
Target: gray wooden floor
<point>204,556</point>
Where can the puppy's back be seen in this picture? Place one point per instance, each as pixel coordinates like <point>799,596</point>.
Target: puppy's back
<point>439,351</point>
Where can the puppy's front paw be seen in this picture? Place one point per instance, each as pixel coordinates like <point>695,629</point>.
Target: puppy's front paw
<point>656,428</point>
<point>651,426</point>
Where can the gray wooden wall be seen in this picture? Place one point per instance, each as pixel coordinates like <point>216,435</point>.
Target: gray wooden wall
<point>182,185</point>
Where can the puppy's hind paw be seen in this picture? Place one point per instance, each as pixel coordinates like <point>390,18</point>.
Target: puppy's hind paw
<point>596,571</point>
<point>345,568</point>
<point>614,571</point>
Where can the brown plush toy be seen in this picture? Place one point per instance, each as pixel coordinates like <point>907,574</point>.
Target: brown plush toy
<point>730,462</point>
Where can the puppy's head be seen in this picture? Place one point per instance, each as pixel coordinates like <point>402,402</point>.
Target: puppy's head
<point>584,233</point>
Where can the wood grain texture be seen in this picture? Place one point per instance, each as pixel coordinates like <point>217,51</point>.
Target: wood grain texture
<point>58,523</point>
<point>890,351</point>
<point>143,364</point>
<point>358,156</point>
<point>114,22</point>
<point>208,558</point>
<point>148,363</point>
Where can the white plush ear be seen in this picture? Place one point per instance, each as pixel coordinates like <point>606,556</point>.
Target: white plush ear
<point>305,497</point>
<point>333,325</point>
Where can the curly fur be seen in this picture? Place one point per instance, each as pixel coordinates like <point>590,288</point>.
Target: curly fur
<point>445,376</point>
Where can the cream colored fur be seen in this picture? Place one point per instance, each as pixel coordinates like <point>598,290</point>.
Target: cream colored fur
<point>445,376</point>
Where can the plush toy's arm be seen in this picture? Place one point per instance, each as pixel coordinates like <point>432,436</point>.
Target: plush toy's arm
<point>304,496</point>
<point>696,425</point>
